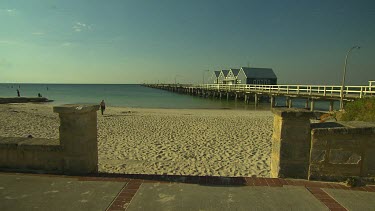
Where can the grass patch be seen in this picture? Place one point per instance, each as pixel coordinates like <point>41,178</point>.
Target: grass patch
<point>360,110</point>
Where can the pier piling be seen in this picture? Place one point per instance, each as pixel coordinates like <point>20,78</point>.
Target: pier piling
<point>331,105</point>
<point>312,104</point>
<point>290,102</point>
<point>307,103</point>
<point>287,102</point>
<point>272,101</point>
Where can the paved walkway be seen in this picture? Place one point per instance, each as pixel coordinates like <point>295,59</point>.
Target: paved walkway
<point>142,192</point>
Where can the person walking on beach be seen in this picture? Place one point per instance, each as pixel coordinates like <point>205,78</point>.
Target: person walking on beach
<point>18,93</point>
<point>102,106</point>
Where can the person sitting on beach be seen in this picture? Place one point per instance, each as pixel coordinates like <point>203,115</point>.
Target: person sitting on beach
<point>39,95</point>
<point>102,106</point>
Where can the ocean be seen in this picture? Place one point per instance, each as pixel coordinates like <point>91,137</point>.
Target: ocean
<point>134,96</point>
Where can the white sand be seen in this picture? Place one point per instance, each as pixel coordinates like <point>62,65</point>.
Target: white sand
<point>163,141</point>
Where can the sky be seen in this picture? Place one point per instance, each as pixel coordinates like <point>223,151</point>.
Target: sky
<point>148,41</point>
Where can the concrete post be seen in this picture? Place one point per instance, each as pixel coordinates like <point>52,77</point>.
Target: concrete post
<point>220,95</point>
<point>227,96</point>
<point>235,98</point>
<point>78,137</point>
<point>245,98</point>
<point>290,102</point>
<point>291,143</point>
<point>255,99</point>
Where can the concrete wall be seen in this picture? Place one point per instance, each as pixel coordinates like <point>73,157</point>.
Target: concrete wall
<point>341,152</point>
<point>75,152</point>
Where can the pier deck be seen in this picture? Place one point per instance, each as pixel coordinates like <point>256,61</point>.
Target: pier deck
<point>4,100</point>
<point>247,91</point>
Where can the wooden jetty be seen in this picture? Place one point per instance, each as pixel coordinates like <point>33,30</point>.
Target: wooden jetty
<point>5,100</point>
<point>256,93</point>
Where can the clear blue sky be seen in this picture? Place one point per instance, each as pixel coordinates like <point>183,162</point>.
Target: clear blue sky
<point>121,41</point>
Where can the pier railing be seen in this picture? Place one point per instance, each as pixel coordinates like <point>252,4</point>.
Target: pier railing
<point>298,90</point>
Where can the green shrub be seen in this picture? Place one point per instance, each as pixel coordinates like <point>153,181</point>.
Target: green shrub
<point>355,182</point>
<point>360,110</point>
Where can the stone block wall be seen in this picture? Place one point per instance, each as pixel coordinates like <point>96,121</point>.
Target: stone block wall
<point>78,137</point>
<point>342,152</point>
<point>332,151</point>
<point>76,152</point>
<point>31,154</point>
<point>290,143</point>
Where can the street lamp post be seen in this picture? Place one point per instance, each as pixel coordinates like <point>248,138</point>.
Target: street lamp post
<point>204,71</point>
<point>343,77</point>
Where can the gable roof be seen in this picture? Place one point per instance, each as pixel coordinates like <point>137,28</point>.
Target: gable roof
<point>253,72</point>
<point>225,72</point>
<point>217,73</point>
<point>235,71</point>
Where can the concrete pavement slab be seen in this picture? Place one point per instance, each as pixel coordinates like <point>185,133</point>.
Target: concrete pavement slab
<point>27,192</point>
<point>158,196</point>
<point>353,200</point>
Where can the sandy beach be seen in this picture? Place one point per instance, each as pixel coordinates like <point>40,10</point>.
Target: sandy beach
<point>163,141</point>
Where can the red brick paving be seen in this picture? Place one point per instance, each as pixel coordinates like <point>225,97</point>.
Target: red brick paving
<point>325,198</point>
<point>123,199</point>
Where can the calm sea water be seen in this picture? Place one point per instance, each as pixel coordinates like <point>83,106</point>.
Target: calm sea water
<point>129,95</point>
